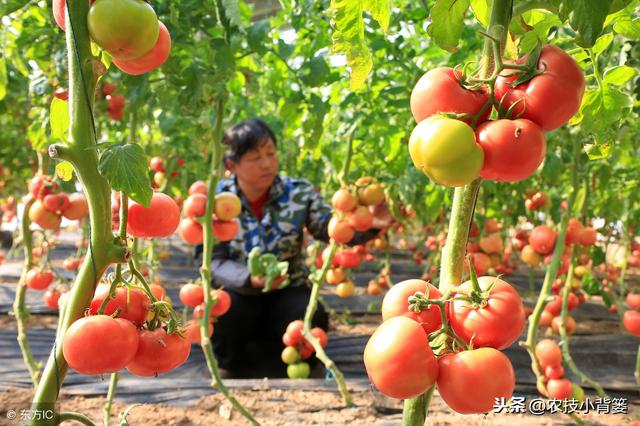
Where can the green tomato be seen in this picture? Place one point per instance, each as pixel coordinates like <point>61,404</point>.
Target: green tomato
<point>445,149</point>
<point>577,392</point>
<point>298,370</point>
<point>127,29</point>
<point>290,355</point>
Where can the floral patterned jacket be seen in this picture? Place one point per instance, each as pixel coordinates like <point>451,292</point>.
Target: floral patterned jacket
<point>293,204</point>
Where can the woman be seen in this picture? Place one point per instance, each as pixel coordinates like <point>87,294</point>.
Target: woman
<point>275,211</point>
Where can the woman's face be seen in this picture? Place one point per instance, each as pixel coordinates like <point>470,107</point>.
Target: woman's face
<point>257,168</point>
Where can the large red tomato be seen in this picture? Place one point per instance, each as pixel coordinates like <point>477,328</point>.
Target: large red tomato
<point>159,220</point>
<point>44,218</point>
<point>77,208</point>
<point>496,324</point>
<point>549,99</point>
<point>439,90</point>
<point>225,230</point>
<point>513,149</point>
<point>150,60</point>
<point>100,344</point>
<point>135,310</point>
<point>191,231</point>
<point>543,239</point>
<point>159,352</point>
<point>632,322</point>
<point>39,280</point>
<point>470,381</point>
<point>399,360</point>
<point>395,304</point>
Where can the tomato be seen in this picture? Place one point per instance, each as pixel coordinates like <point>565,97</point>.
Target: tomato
<point>158,291</point>
<point>71,264</point>
<point>446,151</point>
<point>348,259</point>
<point>491,244</point>
<point>223,302</point>
<point>340,231</point>
<point>298,370</point>
<point>549,99</point>
<point>132,306</point>
<point>545,318</point>
<point>361,218</point>
<point>569,326</point>
<point>290,355</point>
<point>59,10</point>
<point>439,90</point>
<point>52,296</point>
<point>225,230</point>
<point>513,149</point>
<point>346,289</point>
<point>470,381</point>
<point>190,231</point>
<point>157,164</point>
<point>574,231</point>
<point>321,335</point>
<point>115,102</point>
<point>159,352</point>
<point>39,280</point>
<point>588,237</point>
<point>192,333</point>
<point>373,288</point>
<point>41,185</point>
<point>78,207</point>
<point>536,201</point>
<point>160,219</point>
<point>543,239</point>
<point>199,187</point>
<point>481,263</point>
<point>335,276</point>
<point>227,206</point>
<point>548,353</point>
<point>100,344</point>
<point>150,60</point>
<point>530,256</point>
<point>631,322</point>
<point>56,202</point>
<point>399,360</point>
<point>127,29</point>
<point>343,201</point>
<point>44,218</point>
<point>195,205</point>
<point>371,194</point>
<point>191,295</point>
<point>559,389</point>
<point>633,300</point>
<point>395,304</point>
<point>108,88</point>
<point>554,372</point>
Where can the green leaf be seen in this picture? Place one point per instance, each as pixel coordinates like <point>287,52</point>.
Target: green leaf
<point>4,79</point>
<point>587,17</point>
<point>447,22</point>
<point>603,108</point>
<point>618,76</point>
<point>315,71</point>
<point>125,166</point>
<point>552,168</point>
<point>257,35</point>
<point>541,21</point>
<point>380,10</point>
<point>232,12</point>
<point>602,43</point>
<point>64,170</point>
<point>576,209</point>
<point>628,28</point>
<point>598,151</point>
<point>59,119</point>
<point>481,10</point>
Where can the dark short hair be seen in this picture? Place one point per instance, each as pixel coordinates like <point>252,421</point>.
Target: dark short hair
<point>246,136</point>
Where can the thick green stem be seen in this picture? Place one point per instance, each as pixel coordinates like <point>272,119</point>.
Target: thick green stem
<point>113,384</point>
<point>19,309</point>
<point>317,281</point>
<point>81,152</point>
<point>415,410</point>
<point>63,417</point>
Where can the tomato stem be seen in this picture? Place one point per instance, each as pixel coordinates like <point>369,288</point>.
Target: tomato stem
<point>113,383</point>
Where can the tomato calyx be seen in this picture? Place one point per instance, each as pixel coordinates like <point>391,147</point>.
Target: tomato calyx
<point>528,70</point>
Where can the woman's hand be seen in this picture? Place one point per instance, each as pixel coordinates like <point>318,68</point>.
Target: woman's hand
<point>382,217</point>
<point>259,282</point>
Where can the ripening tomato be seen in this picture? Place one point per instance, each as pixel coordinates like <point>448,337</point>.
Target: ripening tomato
<point>574,231</point>
<point>44,218</point>
<point>554,372</point>
<point>370,192</point>
<point>346,289</point>
<point>150,60</point>
<point>440,90</point>
<point>157,164</point>
<point>545,318</point>
<point>340,231</point>
<point>446,151</point>
<point>495,323</point>
<point>195,205</point>
<point>191,295</point>
<point>491,244</point>
<point>78,207</point>
<point>321,335</point>
<point>227,206</point>
<point>361,218</point>
<point>223,302</point>
<point>190,231</point>
<point>549,99</point>
<point>347,258</point>
<point>159,352</point>
<point>192,331</point>
<point>588,237</point>
<point>543,239</point>
<point>39,280</point>
<point>548,353</point>
<point>225,230</point>
<point>481,263</point>
<point>135,310</point>
<point>52,296</point>
<point>160,219</point>
<point>399,360</point>
<point>559,389</point>
<point>59,10</point>
<point>199,187</point>
<point>100,344</point>
<point>290,355</point>
<point>298,370</point>
<point>631,322</point>
<point>56,202</point>
<point>569,326</point>
<point>395,304</point>
<point>633,300</point>
<point>343,201</point>
<point>530,256</point>
<point>513,149</point>
<point>470,381</point>
<point>127,29</point>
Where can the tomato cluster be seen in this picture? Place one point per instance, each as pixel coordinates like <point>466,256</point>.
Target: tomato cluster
<point>8,209</point>
<point>353,209</point>
<point>555,386</point>
<point>298,348</point>
<point>192,295</point>
<point>225,225</point>
<point>488,252</point>
<point>536,200</point>
<point>401,363</point>
<point>338,274</point>
<point>631,318</point>
<point>49,206</point>
<point>447,149</point>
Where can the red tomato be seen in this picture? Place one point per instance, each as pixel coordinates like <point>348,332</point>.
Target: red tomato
<point>158,291</point>
<point>52,296</point>
<point>157,164</point>
<point>134,311</point>
<point>481,263</point>
<point>491,244</point>
<point>44,218</point>
<point>633,300</point>
<point>321,335</point>
<point>223,302</point>
<point>78,207</point>
<point>115,102</point>
<point>399,360</point>
<point>554,372</point>
<point>56,202</point>
<point>395,304</point>
<point>294,332</point>
<point>150,60</point>
<point>39,280</point>
<point>439,90</point>
<point>588,237</point>
<point>195,205</point>
<point>71,264</point>
<point>496,324</point>
<point>543,239</point>
<point>191,295</point>
<point>199,187</point>
<point>631,322</point>
<point>191,331</point>
<point>340,230</point>
<point>548,353</point>
<point>191,231</point>
<point>549,99</point>
<point>159,352</point>
<point>545,318</point>
<point>569,326</point>
<point>559,389</point>
<point>348,259</point>
<point>574,231</point>
<point>225,230</point>
<point>100,344</point>
<point>513,149</point>
<point>159,220</point>
<point>470,381</point>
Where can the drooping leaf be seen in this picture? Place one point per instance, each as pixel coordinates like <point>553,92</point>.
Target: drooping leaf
<point>481,10</point>
<point>125,166</point>
<point>59,119</point>
<point>602,43</point>
<point>447,22</point>
<point>618,76</point>
<point>586,17</point>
